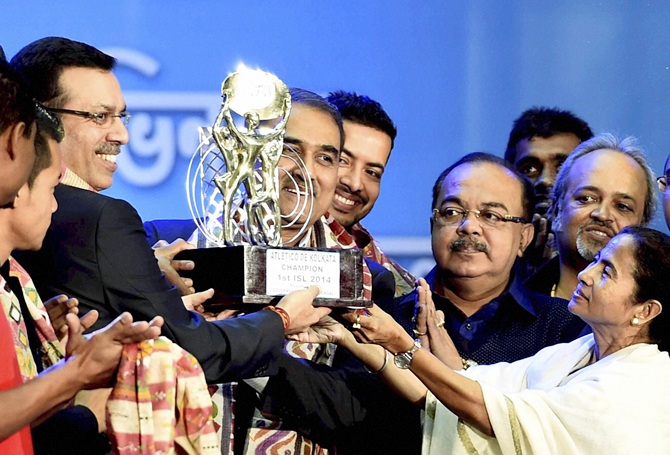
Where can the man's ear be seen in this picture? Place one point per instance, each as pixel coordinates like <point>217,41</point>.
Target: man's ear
<point>16,136</point>
<point>527,232</point>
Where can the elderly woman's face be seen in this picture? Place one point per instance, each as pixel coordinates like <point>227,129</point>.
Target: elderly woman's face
<point>604,295</point>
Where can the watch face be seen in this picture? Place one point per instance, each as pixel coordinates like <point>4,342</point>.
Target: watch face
<point>402,361</point>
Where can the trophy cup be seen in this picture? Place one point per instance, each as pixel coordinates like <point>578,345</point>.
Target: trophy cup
<point>233,193</point>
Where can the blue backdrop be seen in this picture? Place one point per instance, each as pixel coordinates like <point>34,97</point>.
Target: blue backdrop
<point>452,74</point>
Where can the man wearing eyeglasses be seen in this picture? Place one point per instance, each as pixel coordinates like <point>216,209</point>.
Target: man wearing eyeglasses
<point>480,226</point>
<point>96,249</point>
<point>663,182</point>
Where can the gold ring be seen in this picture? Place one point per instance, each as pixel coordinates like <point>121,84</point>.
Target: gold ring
<point>357,324</point>
<point>440,323</point>
<point>419,334</point>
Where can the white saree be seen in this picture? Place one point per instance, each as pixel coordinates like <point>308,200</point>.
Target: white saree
<point>552,404</point>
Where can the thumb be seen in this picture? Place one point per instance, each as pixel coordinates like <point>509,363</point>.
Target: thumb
<point>160,244</point>
<point>440,316</point>
<point>313,291</point>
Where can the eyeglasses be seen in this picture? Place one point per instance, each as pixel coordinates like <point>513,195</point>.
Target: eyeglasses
<point>454,216</point>
<point>663,182</point>
<point>103,119</point>
<point>48,121</point>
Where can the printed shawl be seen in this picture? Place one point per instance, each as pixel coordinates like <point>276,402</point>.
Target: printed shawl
<point>50,348</point>
<point>160,403</point>
<point>554,402</point>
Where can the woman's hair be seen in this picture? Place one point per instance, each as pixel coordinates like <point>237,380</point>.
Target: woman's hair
<point>652,277</point>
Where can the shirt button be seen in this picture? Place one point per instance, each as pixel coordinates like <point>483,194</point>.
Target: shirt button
<point>468,326</point>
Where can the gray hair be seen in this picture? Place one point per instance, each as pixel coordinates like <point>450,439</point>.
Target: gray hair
<point>627,146</point>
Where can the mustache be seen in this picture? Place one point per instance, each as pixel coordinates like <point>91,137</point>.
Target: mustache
<point>109,149</point>
<point>468,243</point>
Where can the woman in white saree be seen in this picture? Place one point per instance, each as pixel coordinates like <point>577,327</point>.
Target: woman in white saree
<point>605,393</point>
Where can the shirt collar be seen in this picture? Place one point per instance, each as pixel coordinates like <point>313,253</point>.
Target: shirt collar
<point>514,294</point>
<point>69,178</point>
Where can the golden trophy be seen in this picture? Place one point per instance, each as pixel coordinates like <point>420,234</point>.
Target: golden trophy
<point>233,192</point>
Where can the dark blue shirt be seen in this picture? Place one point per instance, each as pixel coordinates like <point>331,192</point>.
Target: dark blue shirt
<point>514,325</point>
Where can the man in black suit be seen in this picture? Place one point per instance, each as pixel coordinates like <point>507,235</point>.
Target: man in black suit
<point>96,249</point>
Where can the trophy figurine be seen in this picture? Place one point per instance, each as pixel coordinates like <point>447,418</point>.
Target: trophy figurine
<point>233,193</point>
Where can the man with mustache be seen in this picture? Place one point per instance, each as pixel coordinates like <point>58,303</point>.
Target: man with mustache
<point>96,248</point>
<point>368,141</point>
<point>480,226</point>
<point>605,185</point>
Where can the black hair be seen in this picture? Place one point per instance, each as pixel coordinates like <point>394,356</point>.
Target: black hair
<point>528,201</point>
<point>545,122</point>
<point>43,61</point>
<point>363,110</point>
<point>311,99</point>
<point>651,272</point>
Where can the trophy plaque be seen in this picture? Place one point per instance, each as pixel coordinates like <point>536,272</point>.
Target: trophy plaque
<point>233,192</point>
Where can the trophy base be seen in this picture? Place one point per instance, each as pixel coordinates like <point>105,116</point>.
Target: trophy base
<point>260,275</point>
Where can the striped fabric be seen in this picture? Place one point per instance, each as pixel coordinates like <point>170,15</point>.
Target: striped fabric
<point>160,403</point>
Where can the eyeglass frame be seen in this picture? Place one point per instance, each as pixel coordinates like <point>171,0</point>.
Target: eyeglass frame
<point>95,116</point>
<point>663,182</point>
<point>465,212</point>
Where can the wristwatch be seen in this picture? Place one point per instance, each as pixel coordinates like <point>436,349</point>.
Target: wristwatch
<point>403,359</point>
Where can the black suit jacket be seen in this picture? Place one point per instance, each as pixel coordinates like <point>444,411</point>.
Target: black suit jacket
<point>96,250</point>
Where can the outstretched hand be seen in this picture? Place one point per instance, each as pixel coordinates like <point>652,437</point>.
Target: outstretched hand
<point>302,314</point>
<point>373,325</point>
<point>98,354</point>
<point>165,253</point>
<point>327,330</point>
<point>430,328</point>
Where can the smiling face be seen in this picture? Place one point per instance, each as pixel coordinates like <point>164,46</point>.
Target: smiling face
<point>539,159</point>
<point>604,296</point>
<point>362,163</point>
<point>473,249</point>
<point>88,149</point>
<point>606,192</point>
<point>315,136</point>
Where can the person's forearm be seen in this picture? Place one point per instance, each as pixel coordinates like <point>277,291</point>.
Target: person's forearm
<point>461,395</point>
<point>28,402</point>
<point>402,382</point>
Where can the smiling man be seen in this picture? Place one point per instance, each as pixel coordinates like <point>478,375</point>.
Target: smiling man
<point>314,132</point>
<point>479,228</point>
<point>369,138</point>
<point>605,185</point>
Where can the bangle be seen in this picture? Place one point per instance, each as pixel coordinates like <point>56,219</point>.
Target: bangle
<point>285,318</point>
<point>386,361</point>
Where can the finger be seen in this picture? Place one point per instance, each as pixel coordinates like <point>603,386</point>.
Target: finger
<point>160,244</point>
<point>88,319</point>
<point>548,247</point>
<point>313,291</point>
<point>188,282</point>
<point>183,265</point>
<point>158,321</point>
<point>73,325</point>
<point>440,317</point>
